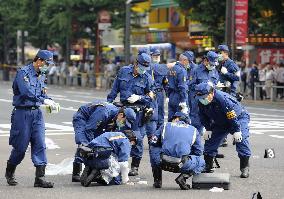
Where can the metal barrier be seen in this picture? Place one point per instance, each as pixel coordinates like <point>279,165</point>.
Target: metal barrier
<point>272,91</point>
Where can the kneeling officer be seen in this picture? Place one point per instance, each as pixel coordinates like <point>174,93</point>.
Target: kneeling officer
<point>171,150</point>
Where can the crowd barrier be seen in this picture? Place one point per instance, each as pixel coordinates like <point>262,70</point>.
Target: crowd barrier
<point>273,91</point>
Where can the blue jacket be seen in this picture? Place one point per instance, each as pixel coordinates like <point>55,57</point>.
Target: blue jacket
<point>126,84</point>
<point>28,87</point>
<point>160,73</point>
<point>176,138</point>
<point>202,74</point>
<point>223,113</point>
<point>177,83</point>
<point>233,74</point>
<point>190,75</point>
<point>117,141</point>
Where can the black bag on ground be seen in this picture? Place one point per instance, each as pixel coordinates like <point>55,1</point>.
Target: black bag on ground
<point>210,180</point>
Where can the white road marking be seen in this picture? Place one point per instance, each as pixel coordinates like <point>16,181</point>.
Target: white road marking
<point>276,136</point>
<point>265,109</point>
<point>5,126</point>
<point>66,122</point>
<point>58,127</point>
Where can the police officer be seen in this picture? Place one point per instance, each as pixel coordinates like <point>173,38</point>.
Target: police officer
<point>92,120</point>
<point>103,146</point>
<point>177,88</point>
<point>160,82</point>
<point>222,114</point>
<point>171,150</point>
<point>205,72</point>
<point>27,120</point>
<point>229,71</point>
<point>134,85</point>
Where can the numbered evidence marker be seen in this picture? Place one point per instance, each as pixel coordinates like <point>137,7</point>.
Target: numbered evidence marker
<point>269,153</point>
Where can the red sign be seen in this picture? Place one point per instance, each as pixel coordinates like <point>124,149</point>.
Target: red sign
<point>241,21</point>
<point>270,55</point>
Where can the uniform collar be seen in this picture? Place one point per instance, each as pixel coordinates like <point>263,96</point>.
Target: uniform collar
<point>32,69</point>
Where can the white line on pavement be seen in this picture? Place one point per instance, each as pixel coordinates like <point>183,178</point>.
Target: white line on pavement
<point>276,136</point>
<point>265,109</point>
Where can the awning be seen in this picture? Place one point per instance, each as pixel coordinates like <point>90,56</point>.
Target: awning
<point>163,3</point>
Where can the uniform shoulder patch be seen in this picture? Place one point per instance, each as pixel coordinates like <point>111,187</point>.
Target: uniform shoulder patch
<point>231,115</point>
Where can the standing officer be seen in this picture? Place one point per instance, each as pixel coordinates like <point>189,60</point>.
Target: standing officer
<point>205,72</point>
<point>27,120</point>
<point>92,120</point>
<point>222,114</point>
<point>160,82</point>
<point>229,71</point>
<point>177,88</point>
<point>171,150</point>
<point>134,85</point>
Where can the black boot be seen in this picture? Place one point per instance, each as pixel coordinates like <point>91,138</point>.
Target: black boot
<point>208,164</point>
<point>77,168</point>
<point>40,179</point>
<point>134,167</point>
<point>181,181</point>
<point>88,176</point>
<point>10,174</point>
<point>157,175</point>
<point>244,166</point>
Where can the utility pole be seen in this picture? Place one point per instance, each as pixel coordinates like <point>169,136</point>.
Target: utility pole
<point>127,32</point>
<point>230,25</point>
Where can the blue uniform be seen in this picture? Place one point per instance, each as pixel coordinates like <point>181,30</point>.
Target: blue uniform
<point>91,120</point>
<point>190,75</point>
<point>222,116</point>
<point>126,83</point>
<point>176,140</point>
<point>232,76</point>
<point>27,120</point>
<point>177,89</point>
<point>200,74</point>
<point>160,75</point>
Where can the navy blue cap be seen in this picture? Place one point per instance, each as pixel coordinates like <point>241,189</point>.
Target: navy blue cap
<point>144,50</point>
<point>182,117</point>
<point>223,47</point>
<point>155,51</point>
<point>203,89</point>
<point>212,57</point>
<point>143,61</point>
<point>46,55</point>
<point>130,116</point>
<point>189,54</point>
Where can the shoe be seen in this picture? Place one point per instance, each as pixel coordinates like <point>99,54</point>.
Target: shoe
<point>225,143</point>
<point>10,174</point>
<point>134,167</point>
<point>244,166</point>
<point>40,179</point>
<point>157,175</point>
<point>181,181</point>
<point>208,164</point>
<point>77,168</point>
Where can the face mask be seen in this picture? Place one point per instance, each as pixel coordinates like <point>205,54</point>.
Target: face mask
<point>156,60</point>
<point>120,124</point>
<point>220,58</point>
<point>141,71</point>
<point>43,69</point>
<point>204,101</point>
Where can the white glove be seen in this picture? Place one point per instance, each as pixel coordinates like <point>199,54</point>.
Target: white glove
<point>183,105</point>
<point>220,85</point>
<point>124,170</point>
<point>224,70</point>
<point>207,135</point>
<point>50,103</point>
<point>133,98</point>
<point>167,100</point>
<point>185,110</point>
<point>228,84</point>
<point>237,136</point>
<point>52,109</point>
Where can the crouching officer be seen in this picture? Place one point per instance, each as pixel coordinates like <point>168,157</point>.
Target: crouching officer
<point>134,85</point>
<point>27,119</point>
<point>92,120</point>
<point>222,114</point>
<point>97,153</point>
<point>171,150</point>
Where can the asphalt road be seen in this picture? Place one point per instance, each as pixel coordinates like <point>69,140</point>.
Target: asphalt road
<point>266,175</point>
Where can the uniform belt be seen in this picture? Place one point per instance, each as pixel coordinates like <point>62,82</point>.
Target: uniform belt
<point>27,107</point>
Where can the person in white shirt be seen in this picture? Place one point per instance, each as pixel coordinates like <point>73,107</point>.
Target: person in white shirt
<point>268,80</point>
